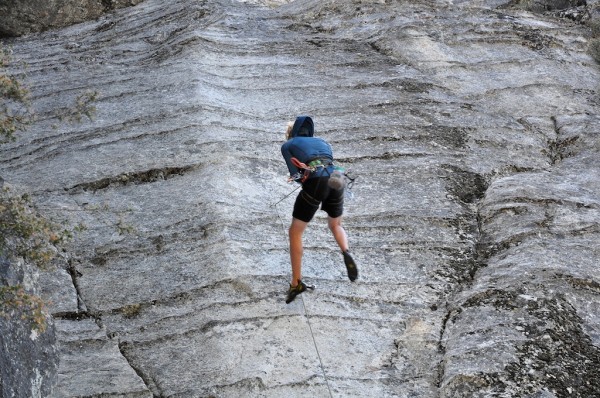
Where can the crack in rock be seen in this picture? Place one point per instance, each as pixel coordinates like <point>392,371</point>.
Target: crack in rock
<point>132,178</point>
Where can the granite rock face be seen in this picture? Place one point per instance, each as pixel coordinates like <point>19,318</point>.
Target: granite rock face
<point>473,129</point>
<point>26,16</point>
<point>28,353</point>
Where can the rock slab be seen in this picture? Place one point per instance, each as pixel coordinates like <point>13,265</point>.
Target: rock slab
<point>473,129</point>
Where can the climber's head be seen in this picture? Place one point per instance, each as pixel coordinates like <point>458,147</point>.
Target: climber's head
<point>302,127</point>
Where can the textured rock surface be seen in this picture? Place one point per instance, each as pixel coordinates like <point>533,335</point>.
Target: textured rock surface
<point>19,17</point>
<point>472,126</point>
<point>28,355</point>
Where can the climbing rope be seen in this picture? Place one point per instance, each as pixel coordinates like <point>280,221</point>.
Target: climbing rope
<point>316,347</point>
<point>302,299</point>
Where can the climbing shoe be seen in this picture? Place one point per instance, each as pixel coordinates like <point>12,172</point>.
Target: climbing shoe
<point>350,266</point>
<point>293,291</point>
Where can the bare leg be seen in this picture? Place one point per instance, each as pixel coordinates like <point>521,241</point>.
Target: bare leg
<point>335,225</point>
<point>296,231</point>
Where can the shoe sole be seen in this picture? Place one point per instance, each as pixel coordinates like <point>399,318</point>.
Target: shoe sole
<point>352,272</point>
<point>351,268</point>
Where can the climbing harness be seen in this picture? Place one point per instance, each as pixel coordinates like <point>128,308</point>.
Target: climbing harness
<point>307,169</point>
<point>338,179</point>
<point>312,166</point>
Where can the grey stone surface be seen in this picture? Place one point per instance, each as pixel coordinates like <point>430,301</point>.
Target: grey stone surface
<point>92,365</point>
<point>28,354</point>
<point>473,129</point>
<point>57,290</point>
<point>20,17</point>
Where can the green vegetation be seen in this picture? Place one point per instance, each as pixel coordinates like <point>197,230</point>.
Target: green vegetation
<point>15,111</point>
<point>124,228</point>
<point>14,300</point>
<point>83,106</point>
<point>130,311</point>
<point>23,232</point>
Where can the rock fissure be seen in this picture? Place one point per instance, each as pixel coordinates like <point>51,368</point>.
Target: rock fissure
<point>135,178</point>
<point>581,283</point>
<point>81,307</point>
<point>554,146</point>
<point>147,378</point>
<point>469,189</point>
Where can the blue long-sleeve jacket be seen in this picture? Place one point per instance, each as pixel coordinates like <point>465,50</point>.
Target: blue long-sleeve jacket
<point>306,148</point>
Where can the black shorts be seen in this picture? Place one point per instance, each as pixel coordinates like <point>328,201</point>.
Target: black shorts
<point>316,191</point>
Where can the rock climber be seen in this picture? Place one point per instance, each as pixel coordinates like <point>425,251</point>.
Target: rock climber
<point>310,162</point>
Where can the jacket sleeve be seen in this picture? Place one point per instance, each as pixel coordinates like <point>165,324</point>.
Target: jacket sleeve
<point>287,156</point>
